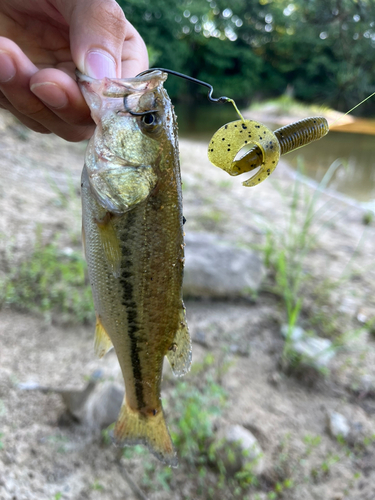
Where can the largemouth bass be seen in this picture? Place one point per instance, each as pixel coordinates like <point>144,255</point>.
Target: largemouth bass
<point>133,239</point>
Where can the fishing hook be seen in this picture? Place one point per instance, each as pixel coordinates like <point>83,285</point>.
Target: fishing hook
<point>191,79</point>
<point>133,113</point>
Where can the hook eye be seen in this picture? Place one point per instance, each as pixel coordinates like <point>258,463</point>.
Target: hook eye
<point>133,113</point>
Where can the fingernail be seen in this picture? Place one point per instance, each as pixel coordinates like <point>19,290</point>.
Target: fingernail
<point>51,94</point>
<point>7,67</point>
<point>100,65</point>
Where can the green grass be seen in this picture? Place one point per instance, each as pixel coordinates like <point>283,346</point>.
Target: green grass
<point>193,408</point>
<point>286,252</point>
<point>48,282</point>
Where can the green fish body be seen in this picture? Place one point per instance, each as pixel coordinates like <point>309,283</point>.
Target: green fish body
<point>133,239</point>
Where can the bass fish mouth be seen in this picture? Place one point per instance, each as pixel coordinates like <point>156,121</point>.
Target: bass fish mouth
<point>118,87</point>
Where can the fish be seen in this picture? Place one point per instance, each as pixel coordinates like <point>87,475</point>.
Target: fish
<point>132,231</point>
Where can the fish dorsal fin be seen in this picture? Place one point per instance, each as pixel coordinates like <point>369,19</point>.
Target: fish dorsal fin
<point>110,243</point>
<point>102,342</point>
<point>179,353</point>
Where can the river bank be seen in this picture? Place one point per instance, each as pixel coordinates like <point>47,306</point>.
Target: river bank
<point>43,457</point>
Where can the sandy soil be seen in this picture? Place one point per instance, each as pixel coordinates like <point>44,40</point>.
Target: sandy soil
<point>42,459</point>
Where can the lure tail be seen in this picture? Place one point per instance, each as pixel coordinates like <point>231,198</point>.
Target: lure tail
<point>134,428</point>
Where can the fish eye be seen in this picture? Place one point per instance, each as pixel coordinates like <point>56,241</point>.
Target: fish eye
<point>149,119</point>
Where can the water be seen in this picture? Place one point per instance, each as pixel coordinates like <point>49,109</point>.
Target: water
<point>355,178</point>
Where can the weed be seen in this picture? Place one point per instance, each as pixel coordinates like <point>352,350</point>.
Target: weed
<point>311,442</point>
<point>193,410</point>
<point>285,252</point>
<point>368,218</point>
<point>96,486</point>
<point>50,281</point>
<point>1,442</point>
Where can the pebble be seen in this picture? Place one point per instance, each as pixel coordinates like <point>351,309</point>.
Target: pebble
<point>338,425</point>
<point>239,447</point>
<point>315,351</point>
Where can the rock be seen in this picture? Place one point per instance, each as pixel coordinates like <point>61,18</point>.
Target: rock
<point>74,399</point>
<point>295,334</point>
<point>314,351</point>
<point>96,406</point>
<point>239,447</point>
<point>215,268</point>
<point>103,407</point>
<point>338,425</point>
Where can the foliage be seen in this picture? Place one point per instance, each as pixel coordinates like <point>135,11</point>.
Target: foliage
<point>49,281</point>
<point>286,250</point>
<point>322,49</point>
<point>193,409</point>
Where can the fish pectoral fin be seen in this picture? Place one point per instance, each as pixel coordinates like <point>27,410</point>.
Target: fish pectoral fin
<point>102,343</point>
<point>179,353</point>
<point>132,427</point>
<point>110,243</point>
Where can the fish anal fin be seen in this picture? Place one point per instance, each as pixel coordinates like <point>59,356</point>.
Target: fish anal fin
<point>179,353</point>
<point>132,427</point>
<point>110,242</point>
<point>102,342</point>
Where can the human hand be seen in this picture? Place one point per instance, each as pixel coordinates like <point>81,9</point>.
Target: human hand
<point>41,44</point>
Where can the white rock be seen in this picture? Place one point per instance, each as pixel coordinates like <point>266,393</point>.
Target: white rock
<point>315,350</point>
<point>296,332</point>
<point>338,425</point>
<point>246,447</point>
<point>214,268</point>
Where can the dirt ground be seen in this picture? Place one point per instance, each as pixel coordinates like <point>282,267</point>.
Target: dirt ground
<point>40,459</point>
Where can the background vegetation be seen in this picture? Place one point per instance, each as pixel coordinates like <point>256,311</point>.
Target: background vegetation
<point>322,50</point>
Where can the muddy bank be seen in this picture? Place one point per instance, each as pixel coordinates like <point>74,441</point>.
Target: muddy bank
<point>42,458</point>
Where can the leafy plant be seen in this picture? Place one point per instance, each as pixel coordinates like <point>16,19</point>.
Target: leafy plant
<point>49,281</point>
<point>285,252</point>
<point>193,410</point>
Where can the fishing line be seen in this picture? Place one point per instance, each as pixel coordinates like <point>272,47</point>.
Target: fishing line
<point>350,110</point>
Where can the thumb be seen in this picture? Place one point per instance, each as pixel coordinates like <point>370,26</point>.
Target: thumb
<point>98,31</point>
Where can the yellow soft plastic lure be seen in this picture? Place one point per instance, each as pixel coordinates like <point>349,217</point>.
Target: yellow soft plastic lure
<point>232,137</point>
<point>228,141</point>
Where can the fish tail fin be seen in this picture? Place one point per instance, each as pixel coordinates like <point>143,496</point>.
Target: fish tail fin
<point>134,428</point>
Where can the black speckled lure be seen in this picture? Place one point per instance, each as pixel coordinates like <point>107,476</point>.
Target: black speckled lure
<point>268,146</point>
<point>232,137</point>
